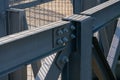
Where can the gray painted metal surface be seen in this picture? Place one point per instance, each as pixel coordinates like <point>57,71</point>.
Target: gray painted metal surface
<point>45,66</point>
<point>3,32</point>
<point>103,10</point>
<point>3,7</point>
<point>30,4</point>
<point>100,64</point>
<point>85,48</point>
<point>19,74</point>
<point>114,51</point>
<point>16,21</point>
<point>82,5</point>
<point>22,48</point>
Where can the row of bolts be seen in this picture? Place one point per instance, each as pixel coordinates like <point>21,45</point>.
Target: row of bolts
<point>65,39</point>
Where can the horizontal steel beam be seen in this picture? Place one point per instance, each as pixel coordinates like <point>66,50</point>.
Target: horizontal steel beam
<point>102,14</point>
<point>114,50</point>
<point>30,4</point>
<point>22,48</point>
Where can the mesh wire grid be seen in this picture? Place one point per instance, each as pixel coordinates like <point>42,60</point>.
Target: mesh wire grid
<point>42,14</point>
<point>46,12</point>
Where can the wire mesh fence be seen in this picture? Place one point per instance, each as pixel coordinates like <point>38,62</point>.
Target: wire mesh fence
<point>42,12</point>
<point>45,12</point>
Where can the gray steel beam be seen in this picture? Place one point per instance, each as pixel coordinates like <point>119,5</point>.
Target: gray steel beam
<point>77,6</point>
<point>3,7</point>
<point>106,35</point>
<point>8,44</point>
<point>58,64</point>
<point>100,64</point>
<point>3,32</point>
<point>22,48</point>
<point>46,63</point>
<point>16,22</point>
<point>103,13</point>
<point>30,4</point>
<point>36,67</point>
<point>84,47</point>
<point>82,5</point>
<point>80,61</point>
<point>114,51</point>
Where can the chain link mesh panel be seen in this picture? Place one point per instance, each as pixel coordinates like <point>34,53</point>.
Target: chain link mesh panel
<point>45,12</point>
<point>42,12</point>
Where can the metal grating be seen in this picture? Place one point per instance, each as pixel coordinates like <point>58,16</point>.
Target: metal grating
<point>45,12</point>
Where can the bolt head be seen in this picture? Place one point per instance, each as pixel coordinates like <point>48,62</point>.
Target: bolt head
<point>72,27</point>
<point>65,30</point>
<point>60,42</point>
<point>59,32</point>
<point>65,59</point>
<point>65,40</point>
<point>73,36</point>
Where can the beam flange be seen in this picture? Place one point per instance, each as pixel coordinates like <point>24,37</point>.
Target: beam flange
<point>22,48</point>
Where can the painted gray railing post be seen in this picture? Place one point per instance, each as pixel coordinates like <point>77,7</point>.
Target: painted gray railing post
<point>3,7</point>
<point>81,5</point>
<point>80,63</point>
<point>78,6</point>
<point>84,46</point>
<point>16,22</point>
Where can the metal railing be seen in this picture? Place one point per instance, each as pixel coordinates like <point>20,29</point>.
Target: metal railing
<point>43,13</point>
<point>77,51</point>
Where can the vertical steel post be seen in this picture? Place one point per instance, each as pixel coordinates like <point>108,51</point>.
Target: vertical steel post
<point>80,63</point>
<point>81,5</point>
<point>84,46</point>
<point>16,22</point>
<point>3,7</point>
<point>77,6</point>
